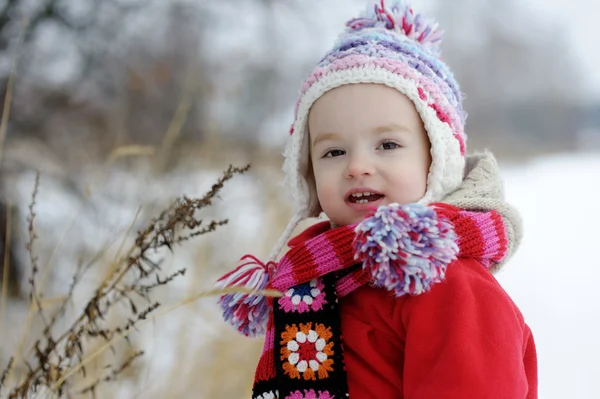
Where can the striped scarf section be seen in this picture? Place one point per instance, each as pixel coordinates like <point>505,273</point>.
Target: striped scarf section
<point>402,248</point>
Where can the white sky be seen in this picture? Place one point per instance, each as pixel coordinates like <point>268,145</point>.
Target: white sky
<point>580,19</point>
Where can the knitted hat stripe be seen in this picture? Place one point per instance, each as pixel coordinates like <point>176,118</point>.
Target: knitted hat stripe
<point>391,51</point>
<point>395,66</point>
<point>387,45</point>
<point>407,52</point>
<point>444,110</point>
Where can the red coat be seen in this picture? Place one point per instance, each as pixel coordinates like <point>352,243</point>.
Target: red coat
<point>464,339</point>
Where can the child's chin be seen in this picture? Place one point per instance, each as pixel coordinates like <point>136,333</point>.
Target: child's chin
<point>353,220</point>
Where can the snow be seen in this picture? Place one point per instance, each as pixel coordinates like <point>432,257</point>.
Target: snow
<point>554,277</point>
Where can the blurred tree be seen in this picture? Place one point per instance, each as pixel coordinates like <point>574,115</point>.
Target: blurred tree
<point>518,73</point>
<point>95,74</point>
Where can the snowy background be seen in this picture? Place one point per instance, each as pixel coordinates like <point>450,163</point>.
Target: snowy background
<point>205,84</point>
<point>554,276</point>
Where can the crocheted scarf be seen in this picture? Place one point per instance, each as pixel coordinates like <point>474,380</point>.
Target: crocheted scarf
<point>403,249</point>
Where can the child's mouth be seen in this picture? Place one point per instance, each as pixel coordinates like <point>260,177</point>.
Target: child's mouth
<point>364,198</point>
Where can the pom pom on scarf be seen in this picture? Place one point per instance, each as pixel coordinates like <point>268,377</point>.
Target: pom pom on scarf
<point>248,313</point>
<point>405,248</point>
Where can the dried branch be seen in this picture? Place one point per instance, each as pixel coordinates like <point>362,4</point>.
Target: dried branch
<point>34,296</point>
<point>114,373</point>
<point>5,373</point>
<point>55,357</point>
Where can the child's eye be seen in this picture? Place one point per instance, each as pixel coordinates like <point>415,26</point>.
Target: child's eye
<point>388,145</point>
<point>334,153</point>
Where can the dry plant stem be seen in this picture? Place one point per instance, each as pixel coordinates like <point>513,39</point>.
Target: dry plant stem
<point>187,301</point>
<point>161,233</point>
<point>9,89</point>
<point>6,265</point>
<point>34,295</point>
<point>48,265</point>
<point>115,154</point>
<point>137,273</point>
<point>62,309</point>
<point>45,275</point>
<point>114,266</point>
<point>3,130</point>
<point>113,374</point>
<point>119,152</point>
<point>8,371</point>
<point>76,277</point>
<point>79,272</point>
<point>5,373</point>
<point>128,151</point>
<point>177,122</point>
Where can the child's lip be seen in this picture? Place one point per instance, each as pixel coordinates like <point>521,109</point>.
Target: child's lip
<point>361,190</point>
<point>365,207</point>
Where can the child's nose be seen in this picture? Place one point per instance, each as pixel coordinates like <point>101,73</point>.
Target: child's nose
<point>359,165</point>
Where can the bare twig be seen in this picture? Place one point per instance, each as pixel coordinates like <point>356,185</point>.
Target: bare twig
<point>5,373</point>
<point>135,273</point>
<point>6,264</point>
<point>34,296</point>
<point>176,124</point>
<point>187,301</point>
<point>113,373</point>
<point>9,88</point>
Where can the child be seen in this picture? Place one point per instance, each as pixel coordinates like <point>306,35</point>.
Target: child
<point>393,297</point>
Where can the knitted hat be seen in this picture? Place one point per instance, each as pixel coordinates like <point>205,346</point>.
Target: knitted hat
<point>392,45</point>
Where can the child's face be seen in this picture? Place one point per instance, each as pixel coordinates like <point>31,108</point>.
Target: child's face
<point>366,138</point>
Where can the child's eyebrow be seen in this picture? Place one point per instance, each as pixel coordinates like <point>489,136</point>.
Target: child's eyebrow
<point>325,136</point>
<point>392,127</point>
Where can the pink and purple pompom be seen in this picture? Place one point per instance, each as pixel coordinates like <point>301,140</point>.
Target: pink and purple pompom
<point>405,248</point>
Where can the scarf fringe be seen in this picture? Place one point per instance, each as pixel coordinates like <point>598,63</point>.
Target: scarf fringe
<point>247,313</point>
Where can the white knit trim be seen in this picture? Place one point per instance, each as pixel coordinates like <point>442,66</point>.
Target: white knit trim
<point>447,166</point>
